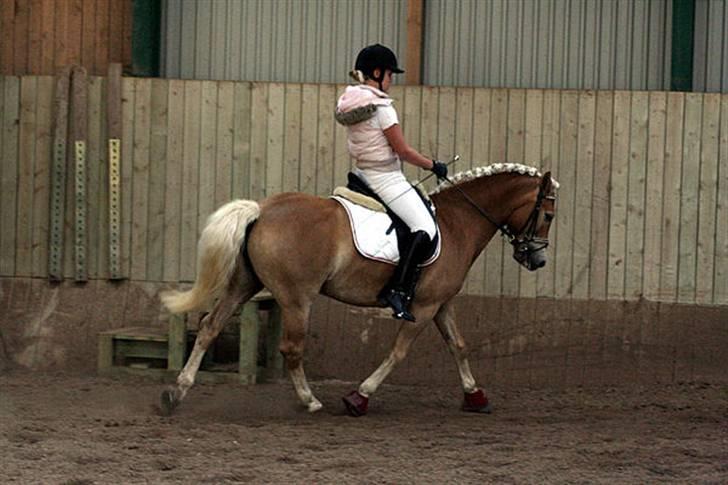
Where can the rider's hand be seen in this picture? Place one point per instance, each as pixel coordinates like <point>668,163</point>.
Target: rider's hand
<point>439,169</point>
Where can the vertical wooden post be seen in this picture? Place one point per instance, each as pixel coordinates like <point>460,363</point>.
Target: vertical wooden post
<point>413,63</point>
<point>248,353</point>
<point>58,177</point>
<point>79,127</point>
<point>106,351</point>
<point>114,130</point>
<point>274,359</point>
<point>177,342</point>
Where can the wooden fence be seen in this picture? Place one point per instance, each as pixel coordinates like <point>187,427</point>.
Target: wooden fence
<point>42,36</point>
<point>642,211</point>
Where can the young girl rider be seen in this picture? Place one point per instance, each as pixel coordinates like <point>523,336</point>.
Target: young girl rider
<point>376,142</point>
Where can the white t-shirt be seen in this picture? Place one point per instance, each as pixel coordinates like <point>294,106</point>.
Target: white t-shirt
<point>366,139</point>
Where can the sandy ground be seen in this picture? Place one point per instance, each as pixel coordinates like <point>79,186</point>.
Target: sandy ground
<point>59,428</point>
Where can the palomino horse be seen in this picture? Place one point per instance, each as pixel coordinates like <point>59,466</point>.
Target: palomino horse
<point>299,245</point>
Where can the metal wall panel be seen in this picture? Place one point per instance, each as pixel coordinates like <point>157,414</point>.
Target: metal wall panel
<point>565,44</point>
<point>710,64</point>
<point>275,40</point>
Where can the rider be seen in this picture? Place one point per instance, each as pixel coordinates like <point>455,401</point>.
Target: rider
<point>376,142</point>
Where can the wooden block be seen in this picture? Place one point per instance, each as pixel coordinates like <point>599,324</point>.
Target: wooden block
<point>139,333</point>
<point>140,342</point>
<point>144,349</point>
<point>171,344</point>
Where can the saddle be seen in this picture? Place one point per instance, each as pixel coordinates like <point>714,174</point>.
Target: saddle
<point>358,192</point>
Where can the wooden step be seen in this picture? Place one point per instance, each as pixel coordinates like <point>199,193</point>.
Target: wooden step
<point>163,352</point>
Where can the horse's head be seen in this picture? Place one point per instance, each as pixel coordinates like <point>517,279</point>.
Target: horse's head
<point>534,220</point>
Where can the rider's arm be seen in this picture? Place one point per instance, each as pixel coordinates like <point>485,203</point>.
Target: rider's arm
<point>395,137</point>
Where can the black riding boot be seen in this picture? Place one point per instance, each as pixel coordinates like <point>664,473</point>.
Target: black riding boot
<point>401,287</point>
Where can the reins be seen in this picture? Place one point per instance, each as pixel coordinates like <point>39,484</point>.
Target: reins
<point>529,227</point>
<point>504,229</point>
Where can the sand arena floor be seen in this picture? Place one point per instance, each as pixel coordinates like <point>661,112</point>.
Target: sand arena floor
<point>60,428</point>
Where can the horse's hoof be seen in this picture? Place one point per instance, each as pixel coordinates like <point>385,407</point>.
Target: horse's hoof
<point>356,404</point>
<point>314,406</point>
<point>476,402</point>
<point>168,402</point>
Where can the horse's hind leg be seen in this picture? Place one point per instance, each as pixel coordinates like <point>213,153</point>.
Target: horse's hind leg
<point>295,322</point>
<point>357,401</point>
<point>210,327</point>
<point>475,399</point>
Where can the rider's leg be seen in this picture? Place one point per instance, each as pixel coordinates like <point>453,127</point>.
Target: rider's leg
<point>403,200</point>
<point>400,289</point>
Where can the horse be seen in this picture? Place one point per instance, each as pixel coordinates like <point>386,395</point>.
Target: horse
<point>299,245</point>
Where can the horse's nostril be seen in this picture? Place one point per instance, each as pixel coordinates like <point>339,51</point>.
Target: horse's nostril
<point>541,264</point>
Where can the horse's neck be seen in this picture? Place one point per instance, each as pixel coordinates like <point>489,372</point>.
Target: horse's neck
<point>496,195</point>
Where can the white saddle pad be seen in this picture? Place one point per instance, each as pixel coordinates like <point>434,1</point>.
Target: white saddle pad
<point>369,229</point>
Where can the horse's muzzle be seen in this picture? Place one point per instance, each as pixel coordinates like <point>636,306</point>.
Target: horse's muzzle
<point>536,260</point>
<point>530,255</point>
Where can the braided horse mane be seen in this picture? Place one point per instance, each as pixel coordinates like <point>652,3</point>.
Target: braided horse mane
<point>494,169</point>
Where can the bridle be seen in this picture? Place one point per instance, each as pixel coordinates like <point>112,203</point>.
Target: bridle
<point>524,241</point>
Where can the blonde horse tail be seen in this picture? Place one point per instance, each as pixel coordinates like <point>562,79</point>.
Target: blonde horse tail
<point>217,252</point>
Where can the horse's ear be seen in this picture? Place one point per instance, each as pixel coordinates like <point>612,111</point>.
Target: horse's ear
<point>546,182</point>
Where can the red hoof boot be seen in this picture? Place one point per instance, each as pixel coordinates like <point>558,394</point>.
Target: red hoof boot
<point>476,402</point>
<point>356,404</point>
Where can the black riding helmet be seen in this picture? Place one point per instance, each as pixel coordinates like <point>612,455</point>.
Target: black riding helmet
<point>376,56</point>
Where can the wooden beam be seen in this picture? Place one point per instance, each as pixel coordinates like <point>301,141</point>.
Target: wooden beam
<point>413,63</point>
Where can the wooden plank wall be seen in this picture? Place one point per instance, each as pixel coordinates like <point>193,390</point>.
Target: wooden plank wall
<point>643,208</point>
<point>42,36</point>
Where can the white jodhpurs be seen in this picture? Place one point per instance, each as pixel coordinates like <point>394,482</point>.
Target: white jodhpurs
<point>392,187</point>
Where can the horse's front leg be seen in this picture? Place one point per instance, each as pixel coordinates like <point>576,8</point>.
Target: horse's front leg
<point>475,399</point>
<point>295,322</point>
<point>357,402</point>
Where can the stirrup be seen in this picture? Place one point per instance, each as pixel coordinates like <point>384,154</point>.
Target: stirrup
<point>398,301</point>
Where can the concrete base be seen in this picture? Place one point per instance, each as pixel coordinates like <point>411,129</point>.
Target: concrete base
<point>541,343</point>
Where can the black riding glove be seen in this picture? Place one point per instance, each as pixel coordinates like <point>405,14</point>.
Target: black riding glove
<point>439,169</point>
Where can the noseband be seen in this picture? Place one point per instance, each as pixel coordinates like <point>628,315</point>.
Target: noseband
<point>525,240</point>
